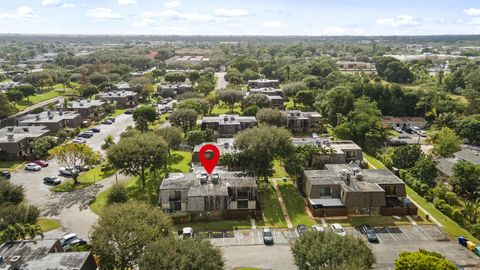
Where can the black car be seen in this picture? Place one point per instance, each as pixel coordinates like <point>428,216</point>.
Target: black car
<point>369,233</point>
<point>107,122</point>
<point>6,174</point>
<point>52,180</point>
<point>95,130</point>
<point>75,242</point>
<point>111,119</point>
<point>408,130</point>
<point>85,135</point>
<point>301,229</point>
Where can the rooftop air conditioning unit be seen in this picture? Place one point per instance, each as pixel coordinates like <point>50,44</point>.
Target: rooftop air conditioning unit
<point>225,119</point>
<point>232,118</point>
<point>359,176</point>
<point>16,262</point>
<point>50,117</point>
<point>25,129</point>
<point>37,117</point>
<point>10,129</point>
<point>110,93</point>
<point>10,137</point>
<point>60,112</point>
<point>215,178</point>
<point>203,178</point>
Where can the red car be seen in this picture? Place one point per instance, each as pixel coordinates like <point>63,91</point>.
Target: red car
<point>42,163</point>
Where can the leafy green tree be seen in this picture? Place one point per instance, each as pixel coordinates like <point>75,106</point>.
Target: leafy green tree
<point>425,170</point>
<point>405,156</point>
<point>212,102</point>
<point>245,62</point>
<point>97,78</point>
<point>271,117</point>
<point>195,137</point>
<point>184,118</point>
<point>143,116</point>
<point>381,64</point>
<point>10,193</point>
<point>329,251</point>
<point>337,101</point>
<point>124,231</point>
<point>42,145</point>
<point>233,76</point>
<point>15,96</point>
<point>398,72</point>
<point>422,260</point>
<point>249,74</point>
<point>135,154</point>
<point>118,194</point>
<point>307,98</point>
<point>188,254</point>
<point>20,231</point>
<point>6,107</point>
<point>27,90</point>
<point>89,90</point>
<point>466,179</point>
<point>251,110</point>
<point>260,146</point>
<point>200,105</point>
<point>108,142</point>
<point>290,90</point>
<point>260,100</point>
<point>74,156</point>
<point>17,213</point>
<point>296,163</point>
<point>445,142</point>
<point>193,76</point>
<point>172,135</point>
<point>230,97</point>
<point>469,127</point>
<point>175,77</point>
<point>205,86</point>
<point>156,73</point>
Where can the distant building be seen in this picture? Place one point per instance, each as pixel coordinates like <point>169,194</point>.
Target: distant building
<point>224,145</point>
<point>54,121</point>
<point>173,89</point>
<point>404,121</point>
<point>16,142</point>
<point>122,98</point>
<point>5,86</point>
<point>201,195</point>
<point>180,61</point>
<point>263,83</point>
<point>226,125</point>
<point>354,65</point>
<point>445,165</point>
<point>345,189</point>
<point>275,96</point>
<point>88,109</point>
<point>45,254</point>
<point>298,121</point>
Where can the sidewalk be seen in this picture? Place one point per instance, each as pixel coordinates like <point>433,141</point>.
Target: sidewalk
<point>282,204</point>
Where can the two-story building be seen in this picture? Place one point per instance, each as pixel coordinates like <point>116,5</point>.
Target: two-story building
<point>53,120</point>
<point>88,109</point>
<point>346,190</point>
<point>173,89</point>
<point>227,125</point>
<point>16,143</point>
<point>404,122</point>
<point>123,99</point>
<point>263,83</point>
<point>275,96</point>
<point>209,196</point>
<point>298,121</point>
<point>445,165</point>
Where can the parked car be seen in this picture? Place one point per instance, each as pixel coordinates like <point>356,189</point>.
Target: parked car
<point>408,130</point>
<point>79,140</point>
<point>415,128</point>
<point>369,233</point>
<point>187,232</point>
<point>66,171</point>
<point>73,243</point>
<point>129,111</point>
<point>398,129</point>
<point>338,229</point>
<point>301,229</point>
<point>67,239</point>
<point>6,174</point>
<point>421,133</point>
<point>86,134</point>
<point>318,228</point>
<point>33,167</point>
<point>267,236</point>
<point>111,119</point>
<point>52,180</point>
<point>42,163</point>
<point>94,130</point>
<point>107,122</point>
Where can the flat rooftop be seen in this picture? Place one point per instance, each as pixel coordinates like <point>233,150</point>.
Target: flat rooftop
<point>88,103</point>
<point>48,117</point>
<point>116,94</point>
<point>224,145</point>
<point>17,134</point>
<point>228,119</point>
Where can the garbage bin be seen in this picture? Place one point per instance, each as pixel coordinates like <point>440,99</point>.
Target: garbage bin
<point>471,246</point>
<point>462,241</point>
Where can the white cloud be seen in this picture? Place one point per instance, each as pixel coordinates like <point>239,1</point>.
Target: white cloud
<point>68,5</point>
<point>147,18</point>
<point>222,12</point>
<point>273,24</point>
<point>21,12</point>
<point>51,2</point>
<point>126,2</point>
<point>172,4</point>
<point>401,20</point>
<point>472,11</point>
<point>103,14</point>
<point>189,17</point>
<point>234,25</point>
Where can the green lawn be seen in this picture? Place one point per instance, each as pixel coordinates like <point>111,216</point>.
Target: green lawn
<point>272,212</point>
<point>223,109</point>
<point>38,98</point>
<point>10,165</point>
<point>117,112</point>
<point>86,179</point>
<point>48,224</point>
<point>179,161</point>
<point>294,203</point>
<point>217,225</point>
<point>373,161</point>
<point>278,170</point>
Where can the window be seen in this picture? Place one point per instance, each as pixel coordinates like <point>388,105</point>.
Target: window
<point>325,191</point>
<point>390,190</point>
<point>176,205</point>
<point>175,195</point>
<point>242,204</point>
<point>242,194</point>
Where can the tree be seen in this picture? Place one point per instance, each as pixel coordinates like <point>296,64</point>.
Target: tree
<point>172,135</point>
<point>422,260</point>
<point>20,231</point>
<point>193,76</point>
<point>250,110</point>
<point>212,102</point>
<point>469,127</point>
<point>123,232</point>
<point>135,154</point>
<point>89,90</point>
<point>307,98</point>
<point>381,64</point>
<point>398,72</point>
<point>291,89</point>
<point>230,97</point>
<point>296,163</point>
<point>156,73</point>
<point>200,105</point>
<point>271,117</point>
<point>187,254</point>
<point>405,156</point>
<point>259,146</point>
<point>6,107</point>
<point>466,179</point>
<point>118,194</point>
<point>42,145</point>
<point>107,142</point>
<point>175,77</point>
<point>26,89</point>
<point>337,101</point>
<point>184,118</point>
<point>97,78</point>
<point>10,193</point>
<point>260,100</point>
<point>425,170</point>
<point>15,95</point>
<point>445,142</point>
<point>327,250</point>
<point>75,156</point>
<point>205,86</point>
<point>195,137</point>
<point>144,116</point>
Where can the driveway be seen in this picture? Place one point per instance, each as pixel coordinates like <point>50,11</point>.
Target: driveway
<point>71,208</point>
<point>264,257</point>
<point>221,83</point>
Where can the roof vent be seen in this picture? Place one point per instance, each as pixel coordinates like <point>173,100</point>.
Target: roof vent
<point>16,262</point>
<point>25,129</point>
<point>10,137</point>
<point>203,178</point>
<point>50,116</point>
<point>215,178</point>
<point>60,112</point>
<point>110,93</point>
<point>232,118</point>
<point>225,118</point>
<point>37,117</point>
<point>10,129</point>
<point>359,176</point>
<point>88,101</point>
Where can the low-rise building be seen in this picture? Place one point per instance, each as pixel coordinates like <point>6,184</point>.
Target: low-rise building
<point>263,83</point>
<point>16,142</point>
<point>298,121</point>
<point>89,109</point>
<point>345,190</point>
<point>445,165</point>
<point>183,60</point>
<point>354,65</point>
<point>275,96</point>
<point>53,120</point>
<point>123,99</point>
<point>228,124</point>
<point>173,89</point>
<point>224,145</point>
<point>404,122</point>
<point>45,254</point>
<point>201,195</point>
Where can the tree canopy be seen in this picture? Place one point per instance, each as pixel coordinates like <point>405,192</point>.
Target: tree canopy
<point>422,260</point>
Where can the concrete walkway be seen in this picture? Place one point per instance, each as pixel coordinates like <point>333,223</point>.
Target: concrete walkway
<point>282,204</point>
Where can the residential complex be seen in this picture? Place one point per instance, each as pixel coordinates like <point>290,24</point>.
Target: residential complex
<point>16,142</point>
<point>275,95</point>
<point>263,83</point>
<point>54,121</point>
<point>173,89</point>
<point>88,109</point>
<point>404,122</point>
<point>226,125</point>
<point>445,165</point>
<point>123,99</point>
<point>298,121</point>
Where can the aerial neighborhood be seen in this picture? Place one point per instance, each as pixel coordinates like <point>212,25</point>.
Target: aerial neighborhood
<point>237,151</point>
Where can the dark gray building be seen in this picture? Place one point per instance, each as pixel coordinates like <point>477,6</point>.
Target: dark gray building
<point>173,89</point>
<point>16,142</point>
<point>226,125</point>
<point>53,120</point>
<point>122,98</point>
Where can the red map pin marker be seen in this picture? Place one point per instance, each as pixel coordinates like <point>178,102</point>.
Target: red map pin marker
<point>210,162</point>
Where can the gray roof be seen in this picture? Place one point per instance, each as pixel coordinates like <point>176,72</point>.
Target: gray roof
<point>301,115</point>
<point>469,155</point>
<point>20,133</point>
<point>116,94</point>
<point>445,165</point>
<point>232,119</point>
<point>326,202</point>
<point>339,146</point>
<point>224,145</point>
<point>86,103</point>
<point>48,117</point>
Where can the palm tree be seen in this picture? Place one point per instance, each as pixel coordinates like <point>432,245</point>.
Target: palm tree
<point>20,231</point>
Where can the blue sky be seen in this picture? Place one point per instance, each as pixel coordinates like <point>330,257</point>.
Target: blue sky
<point>241,17</point>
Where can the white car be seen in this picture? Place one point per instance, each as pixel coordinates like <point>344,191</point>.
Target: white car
<point>414,128</point>
<point>33,167</point>
<point>421,133</point>
<point>79,140</point>
<point>338,229</point>
<point>318,228</point>
<point>66,171</point>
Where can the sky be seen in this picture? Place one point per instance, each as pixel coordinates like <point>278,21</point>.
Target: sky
<point>241,17</point>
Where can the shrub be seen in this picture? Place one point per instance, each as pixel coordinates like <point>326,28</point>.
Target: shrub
<point>118,194</point>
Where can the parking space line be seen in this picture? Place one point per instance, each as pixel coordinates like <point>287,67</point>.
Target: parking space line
<point>404,232</point>
<point>253,237</point>
<point>440,232</point>
<point>391,234</point>
<point>273,235</point>
<point>421,234</point>
<point>378,234</point>
<point>425,232</point>
<point>259,239</point>
<point>223,239</point>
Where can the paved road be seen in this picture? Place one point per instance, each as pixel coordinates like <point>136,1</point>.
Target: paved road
<point>221,83</point>
<point>71,208</point>
<point>277,257</point>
